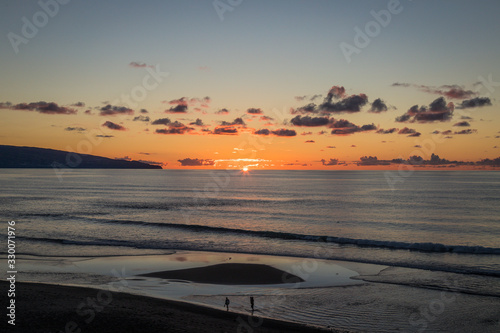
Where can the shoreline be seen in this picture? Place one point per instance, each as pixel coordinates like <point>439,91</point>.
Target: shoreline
<point>58,308</point>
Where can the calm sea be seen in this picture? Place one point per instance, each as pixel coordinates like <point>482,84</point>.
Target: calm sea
<point>439,220</point>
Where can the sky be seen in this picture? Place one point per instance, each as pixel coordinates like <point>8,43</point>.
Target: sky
<point>344,84</point>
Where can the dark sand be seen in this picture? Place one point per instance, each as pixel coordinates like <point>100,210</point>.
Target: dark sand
<point>230,274</point>
<point>55,308</point>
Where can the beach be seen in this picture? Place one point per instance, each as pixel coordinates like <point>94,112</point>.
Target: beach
<point>43,308</point>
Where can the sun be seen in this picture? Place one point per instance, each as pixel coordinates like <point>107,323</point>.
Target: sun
<point>245,169</point>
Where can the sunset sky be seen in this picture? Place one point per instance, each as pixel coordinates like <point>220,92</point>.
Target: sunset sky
<point>265,84</point>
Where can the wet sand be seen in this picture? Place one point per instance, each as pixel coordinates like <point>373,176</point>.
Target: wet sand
<point>56,308</point>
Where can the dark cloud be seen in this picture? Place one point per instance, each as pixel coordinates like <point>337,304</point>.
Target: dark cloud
<point>306,133</point>
<point>284,132</point>
<point>114,126</point>
<point>309,121</point>
<point>112,110</point>
<point>225,130</point>
<point>141,118</point>
<point>179,108</point>
<point>144,111</point>
<point>474,103</point>
<point>349,104</point>
<point>310,141</point>
<point>345,127</point>
<point>172,130</point>
<point>254,111</point>
<point>222,111</point>
<point>266,118</point>
<point>263,131</point>
<point>78,104</point>
<point>77,129</point>
<point>336,92</point>
<point>331,147</point>
<point>378,105</point>
<point>438,110</point>
<point>235,122</point>
<point>332,161</point>
<point>197,122</point>
<point>409,131</point>
<point>162,121</point>
<point>309,108</point>
<point>462,124</point>
<point>387,131</point>
<point>372,160</point>
<point>42,107</point>
<point>466,131</point>
<point>196,162</point>
<point>104,136</point>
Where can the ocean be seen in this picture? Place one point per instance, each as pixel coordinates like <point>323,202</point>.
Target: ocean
<point>447,222</point>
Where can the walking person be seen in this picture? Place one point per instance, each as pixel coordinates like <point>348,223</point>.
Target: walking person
<point>226,304</point>
<point>252,303</point>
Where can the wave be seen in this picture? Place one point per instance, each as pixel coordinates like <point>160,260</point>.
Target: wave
<point>423,247</point>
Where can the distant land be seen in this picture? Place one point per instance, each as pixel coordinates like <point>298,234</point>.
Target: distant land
<point>31,157</point>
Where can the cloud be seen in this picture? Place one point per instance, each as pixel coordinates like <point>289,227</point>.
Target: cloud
<point>466,131</point>
<point>222,111</point>
<point>474,103</point>
<point>235,122</point>
<point>141,118</point>
<point>114,126</point>
<point>104,136</point>
<point>144,111</point>
<point>161,121</point>
<point>378,105</point>
<point>331,147</point>
<point>462,124</point>
<point>197,122</point>
<point>180,108</point>
<point>345,127</point>
<point>196,162</point>
<point>78,104</point>
<point>284,132</point>
<point>309,121</point>
<point>254,111</point>
<point>152,162</point>
<point>263,131</point>
<point>42,107</point>
<point>332,161</point>
<point>452,91</point>
<point>387,131</point>
<point>137,64</point>
<point>438,110</point>
<point>372,160</point>
<point>111,110</point>
<point>336,92</point>
<point>309,108</point>
<point>77,129</point>
<point>310,141</point>
<point>409,131</point>
<point>225,130</point>
<point>349,104</point>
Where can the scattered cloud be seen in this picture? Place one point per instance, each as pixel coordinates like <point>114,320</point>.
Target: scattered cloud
<point>112,110</point>
<point>41,107</point>
<point>387,131</point>
<point>222,111</point>
<point>345,127</point>
<point>452,91</point>
<point>254,111</point>
<point>474,103</point>
<point>310,141</point>
<point>462,124</point>
<point>141,118</point>
<point>162,121</point>
<point>378,105</point>
<point>75,129</point>
<point>332,161</point>
<point>114,126</point>
<point>180,108</point>
<point>196,162</point>
<point>309,121</point>
<point>438,110</point>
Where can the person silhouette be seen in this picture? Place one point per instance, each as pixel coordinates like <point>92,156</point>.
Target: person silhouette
<point>252,303</point>
<point>226,304</point>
